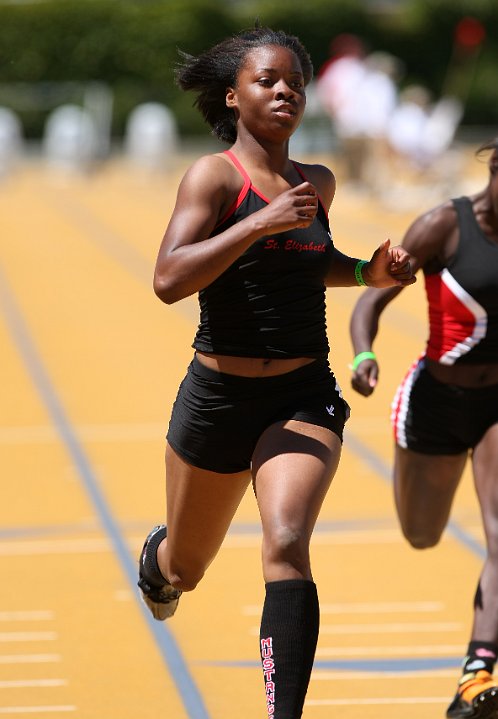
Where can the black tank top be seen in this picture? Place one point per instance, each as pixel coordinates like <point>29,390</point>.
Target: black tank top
<point>463,297</point>
<point>271,301</point>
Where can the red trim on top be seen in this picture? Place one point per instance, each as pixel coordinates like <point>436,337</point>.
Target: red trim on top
<point>244,190</point>
<point>400,403</point>
<point>248,185</point>
<point>260,194</point>
<point>238,165</point>
<point>452,323</point>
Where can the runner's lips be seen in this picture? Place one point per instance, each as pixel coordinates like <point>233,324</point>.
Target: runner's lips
<point>286,110</point>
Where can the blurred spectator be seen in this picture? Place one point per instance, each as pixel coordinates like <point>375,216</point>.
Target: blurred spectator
<point>422,162</point>
<point>419,132</point>
<point>407,124</point>
<point>11,140</point>
<point>377,99</point>
<point>378,93</point>
<point>359,92</point>
<point>337,83</point>
<point>441,126</point>
<point>151,137</point>
<point>70,139</point>
<point>339,76</point>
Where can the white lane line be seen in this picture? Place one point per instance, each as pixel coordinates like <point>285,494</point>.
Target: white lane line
<point>363,608</point>
<point>320,675</point>
<point>381,607</point>
<point>360,536</point>
<point>25,683</point>
<point>389,651</point>
<point>62,546</point>
<point>391,628</point>
<point>29,658</point>
<point>28,636</point>
<point>396,628</point>
<point>28,435</point>
<point>11,548</point>
<point>27,616</point>
<point>375,701</point>
<point>37,709</point>
<point>350,538</point>
<point>46,434</point>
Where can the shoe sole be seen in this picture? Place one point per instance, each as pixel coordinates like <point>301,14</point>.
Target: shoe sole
<point>486,704</point>
<point>160,610</point>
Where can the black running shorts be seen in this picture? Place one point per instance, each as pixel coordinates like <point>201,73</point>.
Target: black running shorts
<point>435,418</point>
<point>217,418</point>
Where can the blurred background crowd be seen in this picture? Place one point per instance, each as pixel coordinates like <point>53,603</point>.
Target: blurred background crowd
<point>399,85</point>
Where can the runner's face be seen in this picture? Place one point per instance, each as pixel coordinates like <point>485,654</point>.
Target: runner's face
<point>269,98</point>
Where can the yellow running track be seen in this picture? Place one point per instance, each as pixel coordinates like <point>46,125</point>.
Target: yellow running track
<point>91,362</point>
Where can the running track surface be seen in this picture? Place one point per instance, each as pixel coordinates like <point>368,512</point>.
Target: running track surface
<point>91,361</point>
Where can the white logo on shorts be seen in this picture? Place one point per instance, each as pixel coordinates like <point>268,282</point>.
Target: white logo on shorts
<point>330,410</point>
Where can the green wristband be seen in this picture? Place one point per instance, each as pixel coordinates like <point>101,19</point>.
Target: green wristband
<point>360,357</point>
<point>359,274</point>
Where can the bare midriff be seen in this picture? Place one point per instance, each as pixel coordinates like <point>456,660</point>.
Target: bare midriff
<point>252,366</point>
<point>470,376</point>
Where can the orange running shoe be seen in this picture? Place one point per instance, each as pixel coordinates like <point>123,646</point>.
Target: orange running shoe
<point>477,697</point>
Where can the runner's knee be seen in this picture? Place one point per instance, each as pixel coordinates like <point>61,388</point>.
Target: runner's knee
<point>421,537</point>
<point>185,578</point>
<point>287,546</point>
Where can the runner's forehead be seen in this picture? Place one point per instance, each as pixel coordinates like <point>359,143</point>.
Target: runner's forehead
<point>272,57</point>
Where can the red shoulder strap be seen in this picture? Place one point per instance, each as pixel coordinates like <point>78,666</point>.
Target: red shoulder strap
<point>236,162</point>
<point>245,187</point>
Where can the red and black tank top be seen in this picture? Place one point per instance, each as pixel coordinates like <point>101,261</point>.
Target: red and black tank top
<point>463,297</point>
<point>271,301</point>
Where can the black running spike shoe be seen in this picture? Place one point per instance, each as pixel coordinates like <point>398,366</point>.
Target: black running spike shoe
<point>476,698</point>
<point>157,593</point>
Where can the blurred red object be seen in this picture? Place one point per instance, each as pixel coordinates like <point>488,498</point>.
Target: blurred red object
<point>469,33</point>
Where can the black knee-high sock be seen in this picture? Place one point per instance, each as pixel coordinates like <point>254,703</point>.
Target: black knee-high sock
<point>288,637</point>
